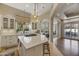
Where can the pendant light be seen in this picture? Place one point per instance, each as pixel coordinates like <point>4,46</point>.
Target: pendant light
<point>35,16</point>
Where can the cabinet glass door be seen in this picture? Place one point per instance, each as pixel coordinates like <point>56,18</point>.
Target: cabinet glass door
<point>5,23</point>
<point>11,23</point>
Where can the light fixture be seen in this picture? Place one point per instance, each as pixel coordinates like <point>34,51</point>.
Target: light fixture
<point>35,14</point>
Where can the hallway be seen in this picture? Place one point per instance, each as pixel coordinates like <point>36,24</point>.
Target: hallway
<point>68,47</point>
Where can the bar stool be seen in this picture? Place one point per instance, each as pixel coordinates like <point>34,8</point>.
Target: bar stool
<point>46,49</point>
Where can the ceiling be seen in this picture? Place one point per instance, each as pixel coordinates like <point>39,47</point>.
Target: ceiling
<point>67,10</point>
<point>72,10</point>
<point>29,7</point>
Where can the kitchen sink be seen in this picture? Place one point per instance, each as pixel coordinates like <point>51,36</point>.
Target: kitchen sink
<point>30,35</point>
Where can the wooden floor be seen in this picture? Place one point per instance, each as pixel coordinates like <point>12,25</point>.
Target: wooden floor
<point>68,47</point>
<point>54,50</point>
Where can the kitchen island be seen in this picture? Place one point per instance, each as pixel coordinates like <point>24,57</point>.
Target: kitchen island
<point>31,45</point>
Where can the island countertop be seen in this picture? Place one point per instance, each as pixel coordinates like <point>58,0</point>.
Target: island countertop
<point>32,41</point>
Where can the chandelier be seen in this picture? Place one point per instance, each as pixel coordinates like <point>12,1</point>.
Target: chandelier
<point>35,13</point>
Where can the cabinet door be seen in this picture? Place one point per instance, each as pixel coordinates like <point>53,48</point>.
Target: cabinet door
<point>38,50</point>
<point>34,26</point>
<point>8,23</point>
<point>5,23</point>
<point>3,41</point>
<point>11,23</point>
<point>11,41</point>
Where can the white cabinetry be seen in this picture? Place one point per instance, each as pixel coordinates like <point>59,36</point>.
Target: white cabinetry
<point>8,36</point>
<point>11,41</point>
<point>3,41</point>
<point>8,41</point>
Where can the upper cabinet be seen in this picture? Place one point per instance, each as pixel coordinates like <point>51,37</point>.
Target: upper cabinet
<point>8,23</point>
<point>34,25</point>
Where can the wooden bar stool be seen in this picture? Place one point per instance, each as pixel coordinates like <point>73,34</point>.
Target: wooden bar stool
<point>46,49</point>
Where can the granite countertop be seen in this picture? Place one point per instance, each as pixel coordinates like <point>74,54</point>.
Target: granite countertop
<point>32,41</point>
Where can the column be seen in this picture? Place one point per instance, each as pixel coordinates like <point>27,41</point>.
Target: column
<point>53,13</point>
<point>51,30</point>
<point>62,29</point>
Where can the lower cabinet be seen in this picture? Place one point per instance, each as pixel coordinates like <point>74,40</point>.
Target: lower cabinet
<point>33,51</point>
<point>8,41</point>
